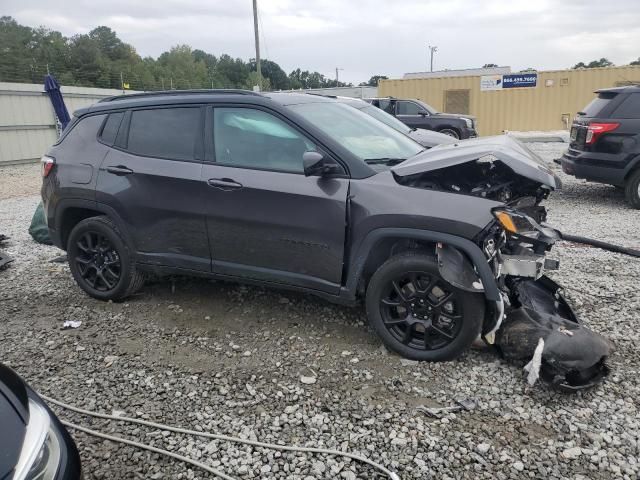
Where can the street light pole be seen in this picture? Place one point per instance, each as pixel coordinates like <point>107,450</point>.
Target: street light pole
<point>432,50</point>
<point>257,37</point>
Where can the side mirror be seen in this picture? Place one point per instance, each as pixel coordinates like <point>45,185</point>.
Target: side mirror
<point>315,164</point>
<point>423,114</point>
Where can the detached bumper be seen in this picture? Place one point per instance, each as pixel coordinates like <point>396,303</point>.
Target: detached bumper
<point>572,356</point>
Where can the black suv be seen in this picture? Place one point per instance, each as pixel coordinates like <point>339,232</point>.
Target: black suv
<point>301,192</point>
<point>605,141</point>
<point>418,114</point>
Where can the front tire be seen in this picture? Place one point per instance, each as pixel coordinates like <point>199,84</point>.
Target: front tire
<point>632,189</point>
<point>451,132</point>
<point>101,261</point>
<point>419,315</point>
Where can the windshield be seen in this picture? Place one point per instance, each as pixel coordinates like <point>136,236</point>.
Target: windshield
<point>597,104</point>
<point>365,137</point>
<point>384,117</point>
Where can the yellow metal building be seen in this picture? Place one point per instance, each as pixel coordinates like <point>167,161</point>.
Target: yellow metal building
<point>550,105</point>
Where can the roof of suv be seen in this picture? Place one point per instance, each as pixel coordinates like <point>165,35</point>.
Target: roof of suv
<point>197,96</point>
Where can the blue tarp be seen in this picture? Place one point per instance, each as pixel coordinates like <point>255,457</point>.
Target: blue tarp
<point>53,89</point>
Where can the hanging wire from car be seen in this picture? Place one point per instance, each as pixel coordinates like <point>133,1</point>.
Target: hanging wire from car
<point>215,436</point>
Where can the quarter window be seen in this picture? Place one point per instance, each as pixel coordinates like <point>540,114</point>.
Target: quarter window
<point>111,126</point>
<point>165,133</point>
<point>250,138</point>
<point>630,107</point>
<point>408,108</point>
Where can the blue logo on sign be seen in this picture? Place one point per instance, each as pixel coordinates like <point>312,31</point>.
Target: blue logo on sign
<point>519,80</point>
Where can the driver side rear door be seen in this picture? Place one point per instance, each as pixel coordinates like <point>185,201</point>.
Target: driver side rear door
<point>265,219</point>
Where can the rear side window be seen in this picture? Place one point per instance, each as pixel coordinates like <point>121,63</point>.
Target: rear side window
<point>111,126</point>
<point>630,107</point>
<point>597,104</point>
<point>165,133</point>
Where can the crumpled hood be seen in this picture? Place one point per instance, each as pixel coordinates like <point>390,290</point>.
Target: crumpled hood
<point>508,150</point>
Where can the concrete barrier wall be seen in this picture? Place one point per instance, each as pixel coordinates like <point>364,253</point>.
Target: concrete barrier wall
<point>27,121</point>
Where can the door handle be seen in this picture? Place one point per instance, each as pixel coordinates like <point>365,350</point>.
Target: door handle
<point>119,170</point>
<point>226,184</point>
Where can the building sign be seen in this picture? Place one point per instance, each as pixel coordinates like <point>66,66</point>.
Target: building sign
<point>518,80</point>
<point>515,80</point>
<point>491,82</point>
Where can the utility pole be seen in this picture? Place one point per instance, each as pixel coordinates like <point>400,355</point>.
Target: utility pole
<point>337,79</point>
<point>433,49</point>
<point>121,82</point>
<point>257,36</point>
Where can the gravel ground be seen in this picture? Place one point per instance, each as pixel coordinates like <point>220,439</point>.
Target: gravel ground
<point>20,180</point>
<point>227,358</point>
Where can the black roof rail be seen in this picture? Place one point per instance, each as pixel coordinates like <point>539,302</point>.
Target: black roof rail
<point>160,93</point>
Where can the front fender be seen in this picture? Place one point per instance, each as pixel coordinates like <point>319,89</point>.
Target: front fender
<point>475,256</point>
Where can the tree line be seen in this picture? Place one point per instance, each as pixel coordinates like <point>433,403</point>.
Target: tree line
<point>100,59</point>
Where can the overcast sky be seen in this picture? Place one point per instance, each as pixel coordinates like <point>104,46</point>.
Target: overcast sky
<point>364,37</point>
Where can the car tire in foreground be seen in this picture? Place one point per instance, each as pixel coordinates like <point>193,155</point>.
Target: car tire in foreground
<point>101,261</point>
<point>632,189</point>
<point>418,314</point>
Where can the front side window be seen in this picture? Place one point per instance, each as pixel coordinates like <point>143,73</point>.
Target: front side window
<point>408,108</point>
<point>165,133</point>
<point>250,138</point>
<point>362,135</point>
<point>386,105</point>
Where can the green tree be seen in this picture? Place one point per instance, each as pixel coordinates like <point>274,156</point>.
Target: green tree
<point>635,62</point>
<point>603,62</point>
<point>271,70</point>
<point>373,81</point>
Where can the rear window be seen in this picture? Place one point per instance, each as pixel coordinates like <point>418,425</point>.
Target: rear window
<point>111,126</point>
<point>597,104</point>
<point>165,133</point>
<point>630,107</point>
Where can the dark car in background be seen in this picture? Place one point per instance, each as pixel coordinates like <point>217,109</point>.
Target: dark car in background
<point>300,192</point>
<point>426,138</point>
<point>34,445</point>
<point>418,114</point>
<point>605,141</point>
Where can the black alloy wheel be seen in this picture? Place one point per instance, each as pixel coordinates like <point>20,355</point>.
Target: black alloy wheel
<point>421,311</point>
<point>417,313</point>
<point>98,261</point>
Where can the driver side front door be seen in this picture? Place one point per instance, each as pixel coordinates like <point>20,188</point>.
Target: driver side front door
<point>265,219</point>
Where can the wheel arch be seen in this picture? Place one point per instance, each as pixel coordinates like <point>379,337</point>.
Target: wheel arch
<point>381,243</point>
<point>70,212</point>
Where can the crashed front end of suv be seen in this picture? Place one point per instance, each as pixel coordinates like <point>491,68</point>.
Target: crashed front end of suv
<point>528,320</point>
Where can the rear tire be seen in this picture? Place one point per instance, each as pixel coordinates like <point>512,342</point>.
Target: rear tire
<point>451,132</point>
<point>419,315</point>
<point>101,261</point>
<point>632,189</point>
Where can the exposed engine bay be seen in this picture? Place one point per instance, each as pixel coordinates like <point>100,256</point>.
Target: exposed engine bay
<point>485,177</point>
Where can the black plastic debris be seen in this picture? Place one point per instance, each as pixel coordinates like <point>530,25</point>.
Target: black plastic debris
<point>5,259</point>
<point>573,357</point>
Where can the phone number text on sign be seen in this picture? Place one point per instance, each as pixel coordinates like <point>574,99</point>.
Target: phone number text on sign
<point>516,81</point>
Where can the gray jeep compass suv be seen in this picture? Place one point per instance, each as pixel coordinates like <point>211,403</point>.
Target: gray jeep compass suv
<point>302,192</point>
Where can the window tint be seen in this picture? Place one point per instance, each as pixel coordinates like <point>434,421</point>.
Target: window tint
<point>630,107</point>
<point>250,138</point>
<point>597,104</point>
<point>407,108</point>
<point>111,126</point>
<point>386,105</point>
<point>165,133</point>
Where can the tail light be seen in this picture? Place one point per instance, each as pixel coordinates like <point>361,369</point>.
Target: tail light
<point>596,129</point>
<point>47,165</point>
